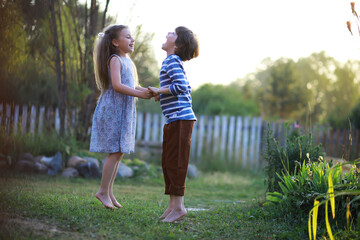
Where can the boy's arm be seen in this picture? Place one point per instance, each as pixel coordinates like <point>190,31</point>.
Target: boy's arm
<point>176,73</point>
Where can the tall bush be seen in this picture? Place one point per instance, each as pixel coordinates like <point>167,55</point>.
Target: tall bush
<point>283,159</point>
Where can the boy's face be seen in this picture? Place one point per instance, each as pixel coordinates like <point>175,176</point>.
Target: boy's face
<point>170,41</point>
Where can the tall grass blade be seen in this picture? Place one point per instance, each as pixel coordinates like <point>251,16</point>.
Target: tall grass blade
<point>328,228</point>
<point>331,194</point>
<point>315,215</point>
<point>348,213</point>
<point>309,226</point>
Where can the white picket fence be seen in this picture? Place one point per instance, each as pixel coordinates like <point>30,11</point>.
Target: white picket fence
<point>233,139</point>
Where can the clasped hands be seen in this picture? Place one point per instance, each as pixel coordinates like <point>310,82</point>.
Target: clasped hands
<point>152,92</point>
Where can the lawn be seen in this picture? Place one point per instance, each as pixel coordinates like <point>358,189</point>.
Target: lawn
<point>220,206</point>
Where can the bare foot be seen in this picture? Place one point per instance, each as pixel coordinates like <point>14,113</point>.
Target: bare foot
<point>167,211</point>
<point>105,200</point>
<point>175,215</point>
<point>114,202</point>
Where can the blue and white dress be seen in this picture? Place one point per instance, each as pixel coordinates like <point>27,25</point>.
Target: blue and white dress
<point>114,120</point>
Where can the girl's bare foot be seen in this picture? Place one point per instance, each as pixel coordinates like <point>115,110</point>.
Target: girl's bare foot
<point>105,200</point>
<point>167,211</point>
<point>114,202</point>
<point>175,215</point>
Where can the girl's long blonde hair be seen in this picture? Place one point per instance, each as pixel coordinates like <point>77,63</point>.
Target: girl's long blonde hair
<point>102,51</point>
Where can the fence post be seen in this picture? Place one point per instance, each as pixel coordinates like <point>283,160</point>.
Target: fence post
<point>16,118</point>
<point>252,141</point>
<point>258,141</point>
<point>201,135</point>
<point>57,120</point>
<point>139,127</point>
<point>7,118</point>
<point>155,128</point>
<point>32,119</point>
<point>24,119</point>
<point>41,120</point>
<point>245,141</point>
<point>209,128</point>
<point>231,138</point>
<point>238,137</point>
<point>147,127</point>
<point>224,124</point>
<point>216,134</point>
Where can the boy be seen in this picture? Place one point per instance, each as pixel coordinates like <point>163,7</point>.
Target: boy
<point>175,101</point>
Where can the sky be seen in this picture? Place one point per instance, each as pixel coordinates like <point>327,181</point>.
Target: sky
<point>236,35</point>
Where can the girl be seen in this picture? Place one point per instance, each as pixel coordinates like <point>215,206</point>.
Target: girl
<point>175,101</point>
<point>113,127</point>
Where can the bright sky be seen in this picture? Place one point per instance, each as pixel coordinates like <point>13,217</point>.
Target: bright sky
<point>236,35</point>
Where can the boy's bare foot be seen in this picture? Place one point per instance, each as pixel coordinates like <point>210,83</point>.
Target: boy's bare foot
<point>105,200</point>
<point>175,215</point>
<point>167,211</point>
<point>114,202</point>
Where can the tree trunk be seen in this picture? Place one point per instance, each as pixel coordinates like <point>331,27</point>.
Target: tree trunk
<point>64,79</point>
<point>89,104</point>
<point>104,15</point>
<point>57,64</point>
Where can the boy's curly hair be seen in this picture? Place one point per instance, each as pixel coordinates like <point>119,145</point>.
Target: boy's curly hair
<point>187,44</point>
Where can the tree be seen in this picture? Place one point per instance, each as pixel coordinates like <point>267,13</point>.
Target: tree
<point>281,93</point>
<point>220,99</point>
<point>344,94</point>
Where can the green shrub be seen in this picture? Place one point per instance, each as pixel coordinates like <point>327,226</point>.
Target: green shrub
<point>308,182</point>
<point>47,143</point>
<point>283,159</point>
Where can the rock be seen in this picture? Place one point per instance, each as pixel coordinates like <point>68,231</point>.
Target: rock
<point>93,160</point>
<point>70,173</point>
<point>46,160</point>
<point>124,171</point>
<point>192,171</point>
<point>89,170</point>
<point>27,156</point>
<point>24,166</point>
<point>40,168</point>
<point>75,161</point>
<point>38,158</point>
<point>55,165</point>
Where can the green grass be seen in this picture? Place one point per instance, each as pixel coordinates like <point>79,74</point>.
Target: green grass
<point>42,207</point>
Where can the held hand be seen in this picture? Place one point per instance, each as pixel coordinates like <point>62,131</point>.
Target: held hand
<point>155,91</point>
<point>146,94</point>
<point>157,98</point>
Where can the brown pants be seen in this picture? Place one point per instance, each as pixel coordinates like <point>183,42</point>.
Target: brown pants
<point>176,154</point>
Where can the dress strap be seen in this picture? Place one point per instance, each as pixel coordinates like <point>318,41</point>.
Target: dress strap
<point>113,55</point>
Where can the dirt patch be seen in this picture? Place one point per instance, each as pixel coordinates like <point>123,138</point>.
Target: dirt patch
<point>17,225</point>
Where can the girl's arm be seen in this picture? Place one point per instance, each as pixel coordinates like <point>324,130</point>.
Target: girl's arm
<point>138,87</point>
<point>115,69</point>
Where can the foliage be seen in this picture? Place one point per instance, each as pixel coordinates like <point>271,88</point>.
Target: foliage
<point>142,169</point>
<point>283,159</point>
<point>48,143</point>
<point>355,115</point>
<point>317,85</point>
<point>219,99</point>
<point>310,181</point>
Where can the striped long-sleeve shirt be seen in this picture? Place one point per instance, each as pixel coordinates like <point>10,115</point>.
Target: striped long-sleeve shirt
<point>177,105</point>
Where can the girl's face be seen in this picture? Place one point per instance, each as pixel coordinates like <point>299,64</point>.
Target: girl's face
<point>169,45</point>
<point>124,43</point>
